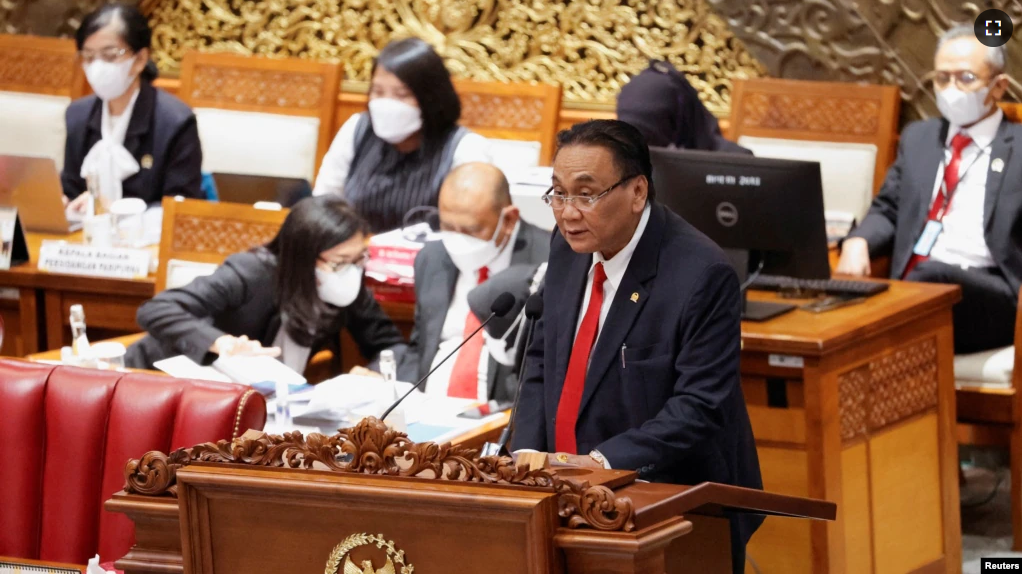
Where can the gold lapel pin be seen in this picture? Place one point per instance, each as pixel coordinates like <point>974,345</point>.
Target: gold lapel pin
<point>635,297</point>
<point>997,165</point>
<point>147,161</point>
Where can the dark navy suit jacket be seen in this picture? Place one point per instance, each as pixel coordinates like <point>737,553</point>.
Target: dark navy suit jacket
<point>898,214</point>
<point>161,127</point>
<point>662,393</point>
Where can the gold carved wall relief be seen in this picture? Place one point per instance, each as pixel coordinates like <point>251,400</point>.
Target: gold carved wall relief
<point>590,47</point>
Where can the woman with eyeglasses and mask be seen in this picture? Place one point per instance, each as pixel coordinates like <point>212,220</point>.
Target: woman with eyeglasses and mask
<point>288,299</point>
<point>395,157</point>
<point>128,139</point>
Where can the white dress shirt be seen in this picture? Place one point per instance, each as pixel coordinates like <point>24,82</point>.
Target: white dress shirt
<point>615,268</point>
<point>962,241</point>
<point>337,161</point>
<point>453,330</point>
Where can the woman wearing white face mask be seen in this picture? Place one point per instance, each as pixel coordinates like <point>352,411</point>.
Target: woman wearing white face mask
<point>129,139</point>
<point>395,157</point>
<point>288,299</point>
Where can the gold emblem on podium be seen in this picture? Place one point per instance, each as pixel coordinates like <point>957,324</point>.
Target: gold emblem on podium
<point>342,551</point>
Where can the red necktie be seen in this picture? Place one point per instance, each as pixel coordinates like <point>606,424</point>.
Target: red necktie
<point>575,380</point>
<point>464,381</point>
<point>938,209</point>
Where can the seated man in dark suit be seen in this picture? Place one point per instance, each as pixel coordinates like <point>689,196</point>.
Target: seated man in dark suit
<point>949,210</point>
<point>634,363</point>
<point>482,239</point>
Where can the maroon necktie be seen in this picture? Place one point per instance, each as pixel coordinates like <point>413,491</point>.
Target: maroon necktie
<point>939,208</point>
<point>575,380</point>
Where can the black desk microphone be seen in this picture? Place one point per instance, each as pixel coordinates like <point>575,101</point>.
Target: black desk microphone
<point>501,305</point>
<point>533,311</point>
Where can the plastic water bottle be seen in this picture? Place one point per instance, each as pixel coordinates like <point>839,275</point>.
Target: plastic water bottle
<point>388,368</point>
<point>80,347</point>
<point>283,411</point>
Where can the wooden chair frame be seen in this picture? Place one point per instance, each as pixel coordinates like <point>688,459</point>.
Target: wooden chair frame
<point>819,111</point>
<point>282,86</point>
<point>993,416</point>
<point>37,65</point>
<point>1012,111</point>
<point>512,111</point>
<point>207,232</point>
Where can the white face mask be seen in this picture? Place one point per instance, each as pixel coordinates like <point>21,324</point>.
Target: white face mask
<point>963,108</point>
<point>502,350</point>
<point>468,253</point>
<point>341,287</point>
<point>394,121</point>
<point>110,80</point>
<point>498,349</point>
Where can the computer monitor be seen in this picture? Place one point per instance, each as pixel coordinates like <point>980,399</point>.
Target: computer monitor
<point>250,189</point>
<point>767,213</point>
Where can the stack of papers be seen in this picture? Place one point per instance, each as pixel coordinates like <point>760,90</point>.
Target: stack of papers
<point>345,400</point>
<point>260,372</point>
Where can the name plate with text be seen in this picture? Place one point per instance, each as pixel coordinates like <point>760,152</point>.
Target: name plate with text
<point>109,262</point>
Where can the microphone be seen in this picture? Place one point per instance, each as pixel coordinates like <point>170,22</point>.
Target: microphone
<point>533,311</point>
<point>500,307</point>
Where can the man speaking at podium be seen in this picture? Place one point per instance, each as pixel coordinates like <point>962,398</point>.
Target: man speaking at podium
<point>634,364</point>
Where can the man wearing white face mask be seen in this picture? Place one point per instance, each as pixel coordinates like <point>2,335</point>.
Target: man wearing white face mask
<point>129,139</point>
<point>951,205</point>
<point>483,238</point>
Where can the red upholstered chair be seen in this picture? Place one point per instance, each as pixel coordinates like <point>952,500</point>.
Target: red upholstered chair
<point>66,434</point>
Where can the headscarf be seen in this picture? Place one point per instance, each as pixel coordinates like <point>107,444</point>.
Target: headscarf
<point>664,106</point>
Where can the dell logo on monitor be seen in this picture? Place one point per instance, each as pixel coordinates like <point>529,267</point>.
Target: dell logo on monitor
<point>727,214</point>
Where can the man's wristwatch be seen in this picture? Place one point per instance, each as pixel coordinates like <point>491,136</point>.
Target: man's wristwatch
<point>599,458</point>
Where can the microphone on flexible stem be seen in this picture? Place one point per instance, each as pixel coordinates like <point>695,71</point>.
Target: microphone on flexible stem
<point>501,305</point>
<point>533,311</point>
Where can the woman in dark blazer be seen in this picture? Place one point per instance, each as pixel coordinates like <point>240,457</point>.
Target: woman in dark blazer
<point>287,299</point>
<point>134,140</point>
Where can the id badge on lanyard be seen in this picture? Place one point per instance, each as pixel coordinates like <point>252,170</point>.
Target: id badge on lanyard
<point>928,238</point>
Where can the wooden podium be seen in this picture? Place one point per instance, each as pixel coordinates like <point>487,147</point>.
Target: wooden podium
<point>367,500</point>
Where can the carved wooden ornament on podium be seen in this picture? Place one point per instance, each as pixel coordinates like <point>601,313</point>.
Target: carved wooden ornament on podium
<point>372,448</point>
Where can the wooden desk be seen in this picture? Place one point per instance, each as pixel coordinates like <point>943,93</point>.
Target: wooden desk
<point>38,319</point>
<point>855,406</point>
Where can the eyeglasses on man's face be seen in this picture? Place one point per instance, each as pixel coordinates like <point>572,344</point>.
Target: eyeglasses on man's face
<point>965,79</point>
<point>582,202</point>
